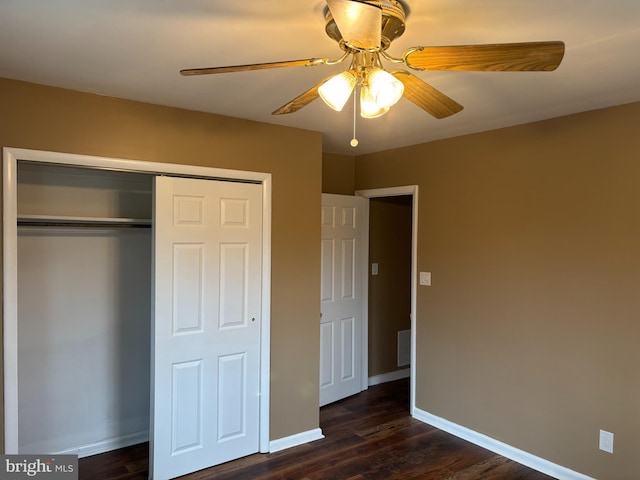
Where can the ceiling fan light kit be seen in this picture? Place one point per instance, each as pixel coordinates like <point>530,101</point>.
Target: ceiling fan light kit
<point>379,90</point>
<point>385,88</point>
<point>369,108</point>
<point>364,30</point>
<point>336,91</point>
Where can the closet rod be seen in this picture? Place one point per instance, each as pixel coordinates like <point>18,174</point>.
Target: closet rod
<point>25,220</point>
<point>30,223</point>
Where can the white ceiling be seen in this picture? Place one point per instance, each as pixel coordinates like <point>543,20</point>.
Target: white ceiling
<point>134,49</point>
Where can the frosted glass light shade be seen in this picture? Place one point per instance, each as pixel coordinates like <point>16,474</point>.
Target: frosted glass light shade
<point>386,89</point>
<point>369,108</point>
<point>336,91</point>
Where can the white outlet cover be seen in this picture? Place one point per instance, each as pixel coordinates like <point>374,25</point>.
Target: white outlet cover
<point>425,278</point>
<point>606,441</point>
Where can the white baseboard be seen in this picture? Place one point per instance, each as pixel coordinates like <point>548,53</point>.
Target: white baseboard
<point>496,446</point>
<point>108,445</point>
<point>140,437</point>
<point>389,377</point>
<point>295,440</point>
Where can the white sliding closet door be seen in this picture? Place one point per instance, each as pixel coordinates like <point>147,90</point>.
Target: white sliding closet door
<point>206,338</point>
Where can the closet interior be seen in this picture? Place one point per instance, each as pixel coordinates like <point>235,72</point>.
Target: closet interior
<point>84,308</point>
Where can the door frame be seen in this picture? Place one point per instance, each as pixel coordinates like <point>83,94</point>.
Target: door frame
<point>392,192</point>
<point>11,157</point>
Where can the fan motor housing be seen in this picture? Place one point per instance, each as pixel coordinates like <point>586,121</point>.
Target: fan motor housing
<point>393,22</point>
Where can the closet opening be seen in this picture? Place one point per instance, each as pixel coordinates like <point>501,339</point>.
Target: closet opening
<point>77,311</point>
<point>84,303</point>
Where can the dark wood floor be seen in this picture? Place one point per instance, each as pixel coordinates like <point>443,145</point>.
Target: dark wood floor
<point>368,436</point>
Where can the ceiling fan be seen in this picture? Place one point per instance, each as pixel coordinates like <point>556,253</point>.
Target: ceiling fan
<point>364,30</point>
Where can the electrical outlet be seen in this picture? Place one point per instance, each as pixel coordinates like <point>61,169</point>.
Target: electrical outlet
<point>606,441</point>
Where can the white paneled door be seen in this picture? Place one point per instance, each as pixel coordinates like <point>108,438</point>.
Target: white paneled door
<point>206,338</point>
<point>343,268</point>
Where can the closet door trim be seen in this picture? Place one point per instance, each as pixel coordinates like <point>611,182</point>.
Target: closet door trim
<point>11,157</point>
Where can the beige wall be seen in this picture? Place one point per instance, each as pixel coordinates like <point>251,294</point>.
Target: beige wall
<point>44,118</point>
<point>338,174</point>
<point>530,331</point>
<point>389,291</point>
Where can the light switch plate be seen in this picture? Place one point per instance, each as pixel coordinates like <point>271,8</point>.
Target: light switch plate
<point>425,278</point>
<point>374,269</point>
<point>606,441</point>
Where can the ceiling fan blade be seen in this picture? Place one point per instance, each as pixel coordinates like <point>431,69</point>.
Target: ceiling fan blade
<point>425,96</point>
<point>301,100</point>
<point>309,62</point>
<point>360,23</point>
<point>515,57</point>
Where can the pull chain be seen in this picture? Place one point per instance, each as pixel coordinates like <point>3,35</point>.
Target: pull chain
<point>354,140</point>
